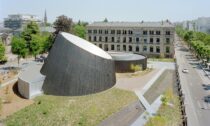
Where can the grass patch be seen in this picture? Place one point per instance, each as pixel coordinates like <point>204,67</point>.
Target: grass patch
<point>162,59</point>
<point>87,110</point>
<point>169,114</point>
<point>165,81</point>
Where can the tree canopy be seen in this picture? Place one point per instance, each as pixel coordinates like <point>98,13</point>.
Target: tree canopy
<point>63,23</point>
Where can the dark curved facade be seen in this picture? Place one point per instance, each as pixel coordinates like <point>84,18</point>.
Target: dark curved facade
<point>71,70</point>
<point>123,61</point>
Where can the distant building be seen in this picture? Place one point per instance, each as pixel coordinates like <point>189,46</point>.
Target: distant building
<point>17,21</point>
<point>147,38</point>
<point>201,24</point>
<point>45,17</point>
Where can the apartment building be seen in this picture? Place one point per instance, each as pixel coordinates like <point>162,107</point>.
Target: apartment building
<point>146,38</point>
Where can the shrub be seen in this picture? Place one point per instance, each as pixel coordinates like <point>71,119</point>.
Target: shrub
<point>135,67</point>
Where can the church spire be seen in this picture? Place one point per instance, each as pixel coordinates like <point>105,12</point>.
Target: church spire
<point>45,17</point>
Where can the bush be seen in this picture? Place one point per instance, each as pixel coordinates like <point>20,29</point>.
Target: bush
<point>135,67</point>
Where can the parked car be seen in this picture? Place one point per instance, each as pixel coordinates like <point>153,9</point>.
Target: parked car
<point>207,99</point>
<point>185,71</point>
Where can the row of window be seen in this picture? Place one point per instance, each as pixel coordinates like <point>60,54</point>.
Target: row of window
<point>130,48</point>
<point>125,39</point>
<point>124,32</point>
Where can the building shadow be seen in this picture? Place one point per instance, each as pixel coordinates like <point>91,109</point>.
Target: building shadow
<point>15,90</point>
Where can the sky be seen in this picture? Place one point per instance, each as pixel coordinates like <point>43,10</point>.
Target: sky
<point>113,10</point>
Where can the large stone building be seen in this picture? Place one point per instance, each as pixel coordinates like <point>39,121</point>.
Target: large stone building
<point>17,21</point>
<point>147,38</point>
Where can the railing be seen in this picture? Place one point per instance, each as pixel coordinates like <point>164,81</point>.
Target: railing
<point>181,97</point>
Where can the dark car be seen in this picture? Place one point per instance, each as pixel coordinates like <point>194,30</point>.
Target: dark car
<point>207,99</point>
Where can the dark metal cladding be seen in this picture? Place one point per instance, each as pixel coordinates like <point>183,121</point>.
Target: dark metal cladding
<point>72,71</point>
<point>123,61</point>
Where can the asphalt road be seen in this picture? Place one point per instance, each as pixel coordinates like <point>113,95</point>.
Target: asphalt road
<point>198,111</point>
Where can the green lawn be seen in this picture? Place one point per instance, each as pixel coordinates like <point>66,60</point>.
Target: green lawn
<point>169,114</point>
<point>162,59</point>
<point>87,110</point>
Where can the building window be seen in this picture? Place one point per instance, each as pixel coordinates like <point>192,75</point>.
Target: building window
<point>158,40</point>
<point>145,40</point>
<point>144,32</point>
<point>130,32</point>
<point>106,31</point>
<point>168,33</point>
<point>130,39</point>
<point>157,32</point>
<point>124,47</point>
<point>89,38</point>
<point>89,31</point>
<point>112,47</point>
<point>137,39</point>
<point>124,32</point>
<point>112,39</point>
<point>157,49</point>
<point>118,39</point>
<point>151,49</point>
<point>95,38</point>
<point>95,31</point>
<point>167,49</point>
<point>106,47</point>
<point>118,47</point>
<point>112,31</point>
<point>100,45</point>
<point>118,32</point>
<point>151,32</point>
<point>124,39</point>
<point>106,39</point>
<point>100,38</point>
<point>151,40</point>
<point>130,48</point>
<point>100,31</point>
<point>145,48</point>
<point>137,49</point>
<point>167,40</point>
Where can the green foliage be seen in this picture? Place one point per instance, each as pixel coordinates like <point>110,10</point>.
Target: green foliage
<point>31,29</point>
<point>19,47</point>
<point>135,67</point>
<point>199,42</point>
<point>36,45</point>
<point>2,52</point>
<point>63,23</point>
<point>157,121</point>
<point>79,30</point>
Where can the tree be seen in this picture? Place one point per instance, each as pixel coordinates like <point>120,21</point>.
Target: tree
<point>63,23</point>
<point>31,29</point>
<point>79,30</point>
<point>2,53</point>
<point>35,45</point>
<point>105,20</point>
<point>19,47</point>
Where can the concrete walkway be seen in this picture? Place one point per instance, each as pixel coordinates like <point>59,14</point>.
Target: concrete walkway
<point>150,109</point>
<point>142,120</point>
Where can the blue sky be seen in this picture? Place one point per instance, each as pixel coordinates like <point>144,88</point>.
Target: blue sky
<point>114,10</point>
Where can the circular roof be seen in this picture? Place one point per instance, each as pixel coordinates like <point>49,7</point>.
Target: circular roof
<point>122,56</point>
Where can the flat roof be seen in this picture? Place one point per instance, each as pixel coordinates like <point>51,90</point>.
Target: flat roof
<point>132,24</point>
<point>32,73</point>
<point>123,56</point>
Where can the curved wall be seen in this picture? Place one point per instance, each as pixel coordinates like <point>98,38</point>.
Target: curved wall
<point>72,68</point>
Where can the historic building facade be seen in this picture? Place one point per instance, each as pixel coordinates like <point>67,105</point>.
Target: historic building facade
<point>146,38</point>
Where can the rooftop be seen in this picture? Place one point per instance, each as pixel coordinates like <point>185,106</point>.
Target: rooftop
<point>123,56</point>
<point>132,24</point>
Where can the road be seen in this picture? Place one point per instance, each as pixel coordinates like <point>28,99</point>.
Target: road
<point>198,112</point>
